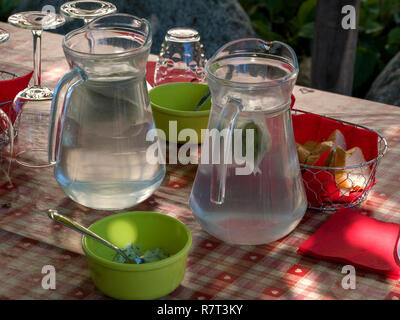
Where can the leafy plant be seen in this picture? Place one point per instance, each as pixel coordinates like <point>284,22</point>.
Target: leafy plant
<point>378,41</point>
<point>292,21</point>
<point>6,7</point>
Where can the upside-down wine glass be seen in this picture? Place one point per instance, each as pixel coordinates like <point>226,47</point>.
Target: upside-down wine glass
<point>87,10</point>
<point>36,21</point>
<point>4,35</point>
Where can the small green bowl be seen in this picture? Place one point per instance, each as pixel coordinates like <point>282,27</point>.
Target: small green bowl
<point>149,230</point>
<point>176,102</point>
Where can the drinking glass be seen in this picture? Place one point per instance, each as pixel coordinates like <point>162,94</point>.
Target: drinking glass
<point>182,57</point>
<point>4,35</point>
<point>6,115</point>
<point>6,129</point>
<point>397,257</point>
<point>32,127</point>
<point>36,21</point>
<point>87,10</point>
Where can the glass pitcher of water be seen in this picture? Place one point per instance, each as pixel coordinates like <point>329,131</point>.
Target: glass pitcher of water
<point>248,188</point>
<point>101,114</point>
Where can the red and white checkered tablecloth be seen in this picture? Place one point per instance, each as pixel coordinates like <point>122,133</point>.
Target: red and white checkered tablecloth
<point>215,270</point>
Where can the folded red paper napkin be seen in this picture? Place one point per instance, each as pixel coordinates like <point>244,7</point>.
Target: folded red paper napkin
<point>175,76</point>
<point>9,89</point>
<point>150,69</point>
<point>349,237</point>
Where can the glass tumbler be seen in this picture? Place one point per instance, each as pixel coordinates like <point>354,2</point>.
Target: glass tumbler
<point>181,58</point>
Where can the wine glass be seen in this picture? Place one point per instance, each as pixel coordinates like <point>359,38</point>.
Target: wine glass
<point>181,58</point>
<point>36,21</point>
<point>32,127</point>
<point>6,129</point>
<point>87,10</point>
<point>6,114</point>
<point>4,35</point>
<point>397,256</point>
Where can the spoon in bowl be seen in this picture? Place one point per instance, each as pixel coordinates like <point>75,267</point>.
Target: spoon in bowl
<point>203,101</point>
<point>55,216</point>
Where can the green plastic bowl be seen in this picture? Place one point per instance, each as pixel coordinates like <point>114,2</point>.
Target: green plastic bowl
<point>176,102</point>
<point>149,230</point>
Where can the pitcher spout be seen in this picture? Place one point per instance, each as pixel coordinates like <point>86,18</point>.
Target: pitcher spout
<point>254,47</point>
<point>255,65</point>
<point>116,44</point>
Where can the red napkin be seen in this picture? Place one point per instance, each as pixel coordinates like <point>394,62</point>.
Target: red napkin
<point>350,237</point>
<point>321,186</point>
<point>8,91</point>
<point>150,69</point>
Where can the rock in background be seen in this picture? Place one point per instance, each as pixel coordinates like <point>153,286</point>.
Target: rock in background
<point>218,21</point>
<point>386,87</point>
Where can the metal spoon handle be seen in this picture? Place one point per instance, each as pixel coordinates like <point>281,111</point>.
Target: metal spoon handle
<point>202,101</point>
<point>54,215</point>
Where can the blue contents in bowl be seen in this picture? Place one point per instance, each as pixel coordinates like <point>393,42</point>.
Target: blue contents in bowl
<point>135,253</point>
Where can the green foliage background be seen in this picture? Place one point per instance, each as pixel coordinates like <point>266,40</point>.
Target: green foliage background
<point>292,21</point>
<point>6,6</point>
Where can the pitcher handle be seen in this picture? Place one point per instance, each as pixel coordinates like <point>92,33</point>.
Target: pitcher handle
<point>59,105</point>
<point>230,112</point>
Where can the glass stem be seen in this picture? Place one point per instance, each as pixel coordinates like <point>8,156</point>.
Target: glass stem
<point>37,52</point>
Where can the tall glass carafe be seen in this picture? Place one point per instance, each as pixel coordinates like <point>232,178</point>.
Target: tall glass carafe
<point>248,188</point>
<point>101,115</point>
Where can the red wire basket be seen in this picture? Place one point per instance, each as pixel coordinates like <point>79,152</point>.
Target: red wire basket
<point>321,183</point>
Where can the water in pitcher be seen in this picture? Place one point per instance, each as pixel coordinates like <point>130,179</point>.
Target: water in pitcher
<point>260,207</point>
<point>101,115</point>
<point>251,81</point>
<point>102,156</point>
